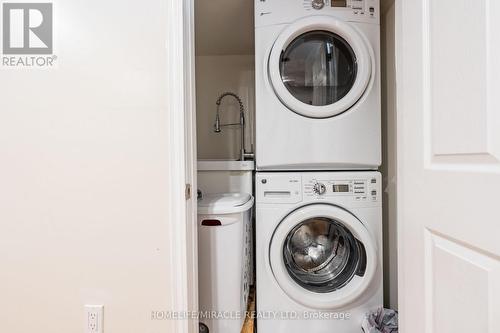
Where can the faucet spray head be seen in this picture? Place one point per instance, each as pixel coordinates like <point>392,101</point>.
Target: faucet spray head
<point>217,123</point>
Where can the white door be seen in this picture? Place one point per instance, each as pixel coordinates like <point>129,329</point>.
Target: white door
<point>448,81</point>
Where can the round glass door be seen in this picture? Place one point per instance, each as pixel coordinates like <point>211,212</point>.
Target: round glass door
<point>320,67</point>
<point>322,255</point>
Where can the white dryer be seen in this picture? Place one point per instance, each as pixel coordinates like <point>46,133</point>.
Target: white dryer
<point>317,84</point>
<point>319,250</point>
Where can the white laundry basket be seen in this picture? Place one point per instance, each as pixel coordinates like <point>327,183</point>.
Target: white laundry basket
<point>223,260</point>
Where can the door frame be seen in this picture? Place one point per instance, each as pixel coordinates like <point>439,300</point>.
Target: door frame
<point>182,169</point>
<point>399,52</point>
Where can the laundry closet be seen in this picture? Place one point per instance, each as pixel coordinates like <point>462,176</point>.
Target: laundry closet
<point>240,168</point>
<point>225,118</point>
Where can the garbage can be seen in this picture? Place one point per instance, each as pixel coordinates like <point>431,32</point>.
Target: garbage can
<point>222,260</point>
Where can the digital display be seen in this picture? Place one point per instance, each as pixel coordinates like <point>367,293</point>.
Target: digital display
<point>339,3</point>
<point>341,188</point>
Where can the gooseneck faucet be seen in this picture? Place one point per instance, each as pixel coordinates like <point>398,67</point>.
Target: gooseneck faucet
<point>218,126</point>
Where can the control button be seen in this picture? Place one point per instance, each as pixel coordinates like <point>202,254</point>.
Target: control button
<point>374,180</point>
<point>263,181</point>
<point>318,4</point>
<point>372,10</point>
<point>319,188</point>
<point>374,192</point>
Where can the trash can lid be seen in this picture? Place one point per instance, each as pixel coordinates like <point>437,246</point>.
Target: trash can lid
<point>225,203</point>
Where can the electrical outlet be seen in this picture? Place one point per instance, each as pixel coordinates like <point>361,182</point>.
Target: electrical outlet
<point>94,318</point>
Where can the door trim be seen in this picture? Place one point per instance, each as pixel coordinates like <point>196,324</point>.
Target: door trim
<point>399,50</point>
<point>182,170</point>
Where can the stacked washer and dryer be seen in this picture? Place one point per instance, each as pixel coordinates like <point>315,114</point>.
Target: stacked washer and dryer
<point>318,148</point>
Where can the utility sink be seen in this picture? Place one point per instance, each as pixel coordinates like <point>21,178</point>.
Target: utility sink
<point>225,165</point>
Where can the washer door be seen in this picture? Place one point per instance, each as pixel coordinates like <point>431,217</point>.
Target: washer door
<point>320,67</point>
<point>322,256</point>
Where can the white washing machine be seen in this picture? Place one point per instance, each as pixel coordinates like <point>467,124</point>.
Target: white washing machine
<point>317,84</point>
<point>319,250</point>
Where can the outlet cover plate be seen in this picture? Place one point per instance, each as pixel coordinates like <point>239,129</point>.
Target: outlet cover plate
<point>94,317</point>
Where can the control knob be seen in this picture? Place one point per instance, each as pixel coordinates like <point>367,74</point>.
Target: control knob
<point>318,4</point>
<point>319,188</point>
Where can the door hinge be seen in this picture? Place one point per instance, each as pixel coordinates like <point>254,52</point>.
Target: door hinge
<point>188,191</point>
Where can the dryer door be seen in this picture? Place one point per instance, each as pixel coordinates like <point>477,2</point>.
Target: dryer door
<point>323,257</point>
<point>320,66</point>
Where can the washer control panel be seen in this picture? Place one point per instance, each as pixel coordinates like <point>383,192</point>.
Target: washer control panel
<point>344,188</point>
<point>272,12</point>
<point>358,189</point>
<point>367,8</point>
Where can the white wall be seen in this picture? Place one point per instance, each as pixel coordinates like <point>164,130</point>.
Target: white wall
<point>224,27</point>
<point>84,174</point>
<point>389,157</point>
<point>215,75</point>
